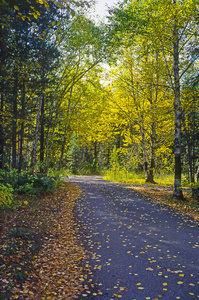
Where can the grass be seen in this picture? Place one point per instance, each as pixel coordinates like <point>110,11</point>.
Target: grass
<point>165,180</point>
<point>121,175</point>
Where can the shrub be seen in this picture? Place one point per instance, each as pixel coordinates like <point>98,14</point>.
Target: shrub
<point>9,177</point>
<point>6,195</point>
<point>24,183</point>
<point>34,184</point>
<point>26,189</point>
<point>195,190</point>
<point>57,175</point>
<point>43,183</point>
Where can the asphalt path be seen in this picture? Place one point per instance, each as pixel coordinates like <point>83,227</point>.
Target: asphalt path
<point>139,249</point>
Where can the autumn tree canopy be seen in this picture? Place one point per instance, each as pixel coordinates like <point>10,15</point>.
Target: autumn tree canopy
<point>74,92</point>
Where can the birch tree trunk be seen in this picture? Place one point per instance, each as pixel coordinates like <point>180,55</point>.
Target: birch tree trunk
<point>197,175</point>
<point>177,190</point>
<point>189,153</point>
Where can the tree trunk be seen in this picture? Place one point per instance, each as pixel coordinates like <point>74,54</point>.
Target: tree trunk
<point>63,148</point>
<point>2,91</point>
<point>1,146</point>
<point>14,121</point>
<point>65,129</point>
<point>197,175</point>
<point>95,156</point>
<point>177,191</point>
<point>33,160</point>
<point>49,144</point>
<point>153,101</point>
<point>145,163</point>
<point>189,154</point>
<point>21,140</point>
<point>42,135</point>
<point>150,175</point>
<point>42,118</point>
<point>1,133</point>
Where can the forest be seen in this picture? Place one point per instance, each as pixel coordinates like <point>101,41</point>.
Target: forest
<point>116,97</point>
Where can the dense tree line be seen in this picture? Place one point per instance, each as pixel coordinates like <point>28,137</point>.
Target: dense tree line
<point>85,97</point>
<point>44,53</point>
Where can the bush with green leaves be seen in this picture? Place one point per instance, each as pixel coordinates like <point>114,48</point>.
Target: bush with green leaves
<point>25,183</point>
<point>43,183</point>
<point>6,195</point>
<point>57,175</point>
<point>9,176</point>
<point>195,190</point>
<point>34,184</point>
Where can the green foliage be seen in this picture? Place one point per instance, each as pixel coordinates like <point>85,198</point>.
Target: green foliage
<point>26,183</point>
<point>195,190</point>
<point>88,168</point>
<point>116,172</point>
<point>123,172</point>
<point>57,175</point>
<point>6,195</point>
<point>69,111</point>
<point>73,155</point>
<point>114,161</point>
<point>12,183</point>
<point>9,177</point>
<point>43,183</point>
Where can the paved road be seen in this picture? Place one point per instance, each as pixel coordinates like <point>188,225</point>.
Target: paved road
<point>139,249</point>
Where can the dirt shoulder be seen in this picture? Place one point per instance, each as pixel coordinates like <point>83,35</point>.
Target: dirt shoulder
<point>40,257</point>
<point>164,194</point>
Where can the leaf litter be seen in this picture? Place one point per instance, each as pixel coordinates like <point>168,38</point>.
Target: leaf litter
<point>40,256</point>
<point>164,194</point>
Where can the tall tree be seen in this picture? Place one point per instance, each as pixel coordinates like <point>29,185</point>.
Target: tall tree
<point>171,28</point>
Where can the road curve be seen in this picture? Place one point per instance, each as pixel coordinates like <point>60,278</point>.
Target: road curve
<point>139,249</point>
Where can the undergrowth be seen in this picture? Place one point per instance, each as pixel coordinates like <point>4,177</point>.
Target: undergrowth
<point>24,183</point>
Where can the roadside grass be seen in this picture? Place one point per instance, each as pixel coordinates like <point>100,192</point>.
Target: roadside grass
<point>165,179</point>
<point>121,175</point>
